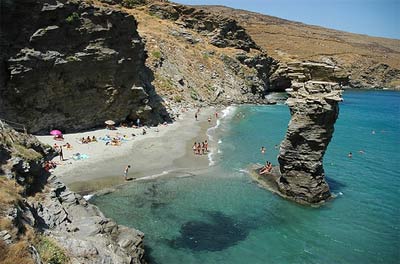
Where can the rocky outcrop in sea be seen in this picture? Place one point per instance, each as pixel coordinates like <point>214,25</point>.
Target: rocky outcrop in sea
<point>71,65</point>
<point>314,109</point>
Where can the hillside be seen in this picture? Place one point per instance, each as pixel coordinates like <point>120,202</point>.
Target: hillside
<point>371,61</point>
<point>128,59</point>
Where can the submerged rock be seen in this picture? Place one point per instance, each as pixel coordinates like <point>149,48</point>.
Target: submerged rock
<point>314,110</point>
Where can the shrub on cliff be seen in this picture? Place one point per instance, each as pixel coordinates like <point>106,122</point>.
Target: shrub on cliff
<point>132,3</point>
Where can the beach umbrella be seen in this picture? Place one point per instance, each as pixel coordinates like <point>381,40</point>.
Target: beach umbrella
<point>55,132</point>
<point>110,122</point>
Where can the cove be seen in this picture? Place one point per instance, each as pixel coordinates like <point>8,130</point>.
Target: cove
<point>184,219</point>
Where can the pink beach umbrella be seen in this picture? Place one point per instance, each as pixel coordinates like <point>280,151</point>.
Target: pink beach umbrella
<point>55,132</point>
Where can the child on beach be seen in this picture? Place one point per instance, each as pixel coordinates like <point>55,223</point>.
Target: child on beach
<point>126,172</point>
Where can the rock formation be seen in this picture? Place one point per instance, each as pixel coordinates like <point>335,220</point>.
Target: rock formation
<point>221,30</point>
<point>71,65</point>
<point>50,208</point>
<point>314,110</point>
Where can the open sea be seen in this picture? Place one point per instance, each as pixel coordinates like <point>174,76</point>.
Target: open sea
<point>222,216</point>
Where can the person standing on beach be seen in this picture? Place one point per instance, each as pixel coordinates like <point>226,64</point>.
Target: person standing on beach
<point>126,172</point>
<point>195,116</point>
<point>138,122</point>
<point>61,154</point>
<point>194,147</point>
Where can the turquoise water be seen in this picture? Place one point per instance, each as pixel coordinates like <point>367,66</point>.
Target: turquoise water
<point>224,217</point>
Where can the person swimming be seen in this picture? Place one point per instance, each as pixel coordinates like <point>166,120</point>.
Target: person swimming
<point>262,150</point>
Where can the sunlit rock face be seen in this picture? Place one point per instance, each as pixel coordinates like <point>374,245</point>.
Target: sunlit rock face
<point>314,109</point>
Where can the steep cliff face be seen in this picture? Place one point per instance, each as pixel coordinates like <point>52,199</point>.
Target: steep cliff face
<point>199,58</point>
<point>314,110</point>
<point>71,65</point>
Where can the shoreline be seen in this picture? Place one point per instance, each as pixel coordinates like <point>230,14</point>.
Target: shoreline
<point>163,150</point>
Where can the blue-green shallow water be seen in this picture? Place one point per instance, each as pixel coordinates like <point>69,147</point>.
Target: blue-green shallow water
<point>223,217</point>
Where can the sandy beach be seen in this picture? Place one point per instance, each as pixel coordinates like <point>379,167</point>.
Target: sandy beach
<point>162,151</point>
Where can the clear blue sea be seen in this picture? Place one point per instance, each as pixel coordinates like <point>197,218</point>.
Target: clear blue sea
<point>224,217</point>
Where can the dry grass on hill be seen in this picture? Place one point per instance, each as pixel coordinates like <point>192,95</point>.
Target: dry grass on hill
<point>287,40</point>
<point>17,252</point>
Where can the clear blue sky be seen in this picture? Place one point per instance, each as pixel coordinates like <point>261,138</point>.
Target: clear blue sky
<point>372,17</point>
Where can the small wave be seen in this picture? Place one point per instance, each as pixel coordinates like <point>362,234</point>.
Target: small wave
<point>228,112</point>
<point>335,195</point>
<point>150,177</point>
<point>211,162</point>
<point>244,171</point>
<point>211,130</point>
<point>219,141</point>
<point>88,197</point>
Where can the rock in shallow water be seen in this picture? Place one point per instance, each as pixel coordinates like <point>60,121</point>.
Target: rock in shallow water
<point>314,109</point>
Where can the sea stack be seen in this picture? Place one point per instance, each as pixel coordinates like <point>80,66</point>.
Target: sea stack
<point>314,109</point>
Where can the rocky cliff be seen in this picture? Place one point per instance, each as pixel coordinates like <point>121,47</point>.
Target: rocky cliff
<point>371,62</point>
<point>72,65</point>
<point>314,110</point>
<point>200,58</point>
<point>47,208</point>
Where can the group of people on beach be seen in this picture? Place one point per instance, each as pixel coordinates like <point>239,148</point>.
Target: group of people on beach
<point>48,165</point>
<point>87,140</point>
<point>200,148</point>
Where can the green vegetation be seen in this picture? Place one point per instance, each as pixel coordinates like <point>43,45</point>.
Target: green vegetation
<point>210,87</point>
<point>132,3</point>
<point>194,95</point>
<point>156,54</point>
<point>72,58</point>
<point>73,17</point>
<point>178,98</point>
<point>165,84</point>
<point>50,252</point>
<point>26,153</point>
